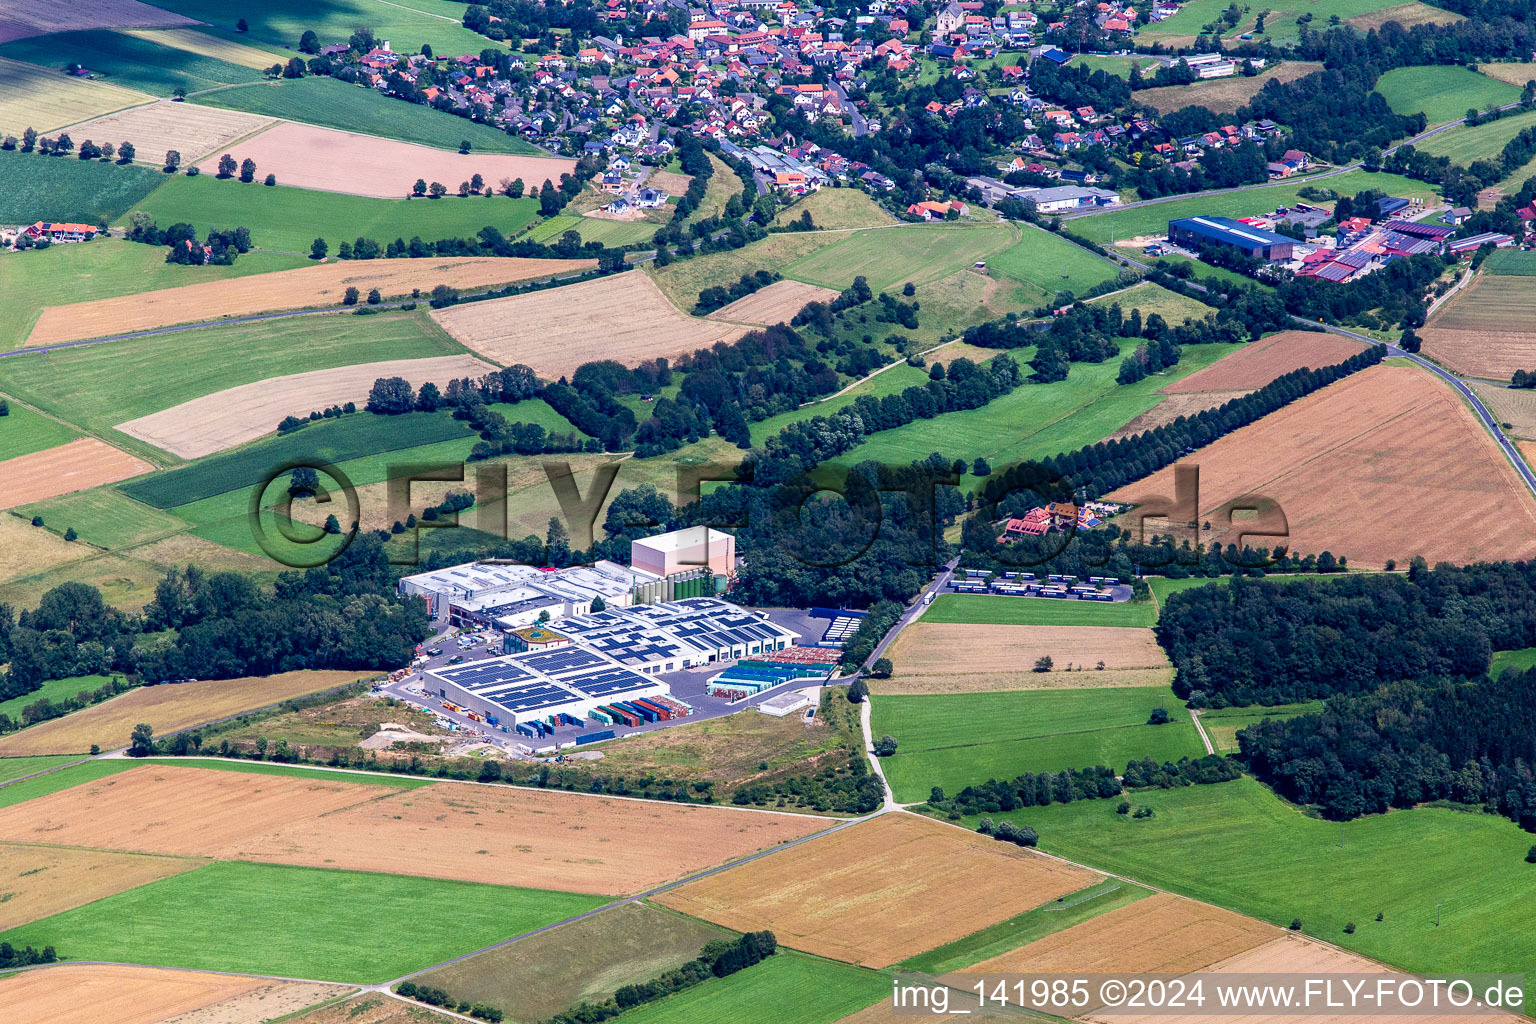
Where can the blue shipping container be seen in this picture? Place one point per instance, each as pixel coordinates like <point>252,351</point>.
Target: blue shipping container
<point>594,737</point>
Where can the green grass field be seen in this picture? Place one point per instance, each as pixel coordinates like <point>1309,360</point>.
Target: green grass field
<point>1120,67</point>
<point>52,689</point>
<point>105,517</point>
<point>584,961</point>
<point>100,386</point>
<point>1443,92</point>
<point>1047,919</point>
<point>896,379</point>
<point>405,25</point>
<point>889,256</point>
<point>90,771</point>
<point>291,218</point>
<point>1222,725</point>
<point>12,768</point>
<point>1047,264</point>
<point>1034,420</point>
<point>23,432</point>
<point>1520,660</point>
<point>787,988</point>
<point>1030,611</point>
<point>1152,221</point>
<point>956,740</point>
<point>1204,270</point>
<point>104,268</point>
<point>1484,142</point>
<point>64,188</point>
<point>1164,588</point>
<point>615,233</point>
<point>1154,298</point>
<point>1510,263</point>
<point>333,104</point>
<point>1280,26</point>
<point>1238,845</point>
<point>130,62</point>
<point>298,922</point>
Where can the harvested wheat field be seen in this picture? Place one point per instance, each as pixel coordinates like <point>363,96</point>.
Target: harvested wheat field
<point>1513,408</point>
<point>1172,407</point>
<point>178,811</point>
<point>530,838</point>
<point>880,891</point>
<point>76,466</point>
<point>1224,95</point>
<point>46,99</point>
<point>26,549</point>
<point>1257,363</point>
<point>1387,463</point>
<point>623,317</point>
<point>110,994</point>
<point>1409,15</point>
<point>20,19</point>
<point>363,165</point>
<point>964,657</point>
<point>1487,330</point>
<point>39,881</point>
<point>321,285</point>
<point>191,130</point>
<point>777,303</point>
<point>168,708</point>
<point>236,415</point>
<point>209,45</point>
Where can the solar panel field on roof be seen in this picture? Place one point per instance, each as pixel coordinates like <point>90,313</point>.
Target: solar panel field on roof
<point>562,661</point>
<point>611,681</point>
<point>481,674</point>
<point>532,697</point>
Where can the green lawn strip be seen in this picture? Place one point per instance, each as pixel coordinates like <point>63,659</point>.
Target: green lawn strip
<point>130,62</point>
<point>1222,725</point>
<point>105,517</point>
<point>1048,919</point>
<point>1238,845</point>
<point>52,689</point>
<point>1463,145</point>
<point>955,740</point>
<point>298,922</point>
<point>23,432</point>
<point>333,104</point>
<point>885,257</point>
<point>64,778</point>
<point>281,22</point>
<point>100,386</point>
<point>63,188</point>
<point>1032,611</point>
<point>290,219</point>
<point>787,988</point>
<point>12,768</point>
<point>1442,92</point>
<point>102,269</point>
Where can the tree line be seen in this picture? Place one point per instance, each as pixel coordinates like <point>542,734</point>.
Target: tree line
<point>1040,789</point>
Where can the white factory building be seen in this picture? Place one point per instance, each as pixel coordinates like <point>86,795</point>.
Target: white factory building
<point>683,550</point>
<point>479,594</point>
<point>540,685</point>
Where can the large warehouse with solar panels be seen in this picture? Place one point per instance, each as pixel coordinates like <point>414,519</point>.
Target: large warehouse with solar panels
<point>614,655</point>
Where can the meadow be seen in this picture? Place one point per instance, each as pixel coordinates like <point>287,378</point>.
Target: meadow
<point>52,689</point>
<point>298,922</point>
<point>1223,724</point>
<point>130,61</point>
<point>1463,145</point>
<point>1164,587</point>
<point>1047,265</point>
<point>1224,95</point>
<point>103,385</point>
<point>283,21</point>
<point>1030,611</point>
<point>1238,845</point>
<point>1152,221</point>
<point>333,104</point>
<point>105,517</point>
<point>23,432</point>
<point>103,268</point>
<point>887,257</point>
<point>64,188</point>
<point>955,740</point>
<point>1280,25</point>
<point>787,988</point>
<point>1443,93</point>
<point>1150,298</point>
<point>12,768</point>
<point>1521,661</point>
<point>892,381</point>
<point>832,208</point>
<point>1120,67</point>
<point>291,218</point>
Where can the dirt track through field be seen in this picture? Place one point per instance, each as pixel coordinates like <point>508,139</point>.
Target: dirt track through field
<point>623,317</point>
<point>23,18</point>
<point>1257,363</point>
<point>361,165</point>
<point>321,285</point>
<point>777,303</point>
<point>40,881</point>
<point>237,415</point>
<point>962,657</point>
<point>109,994</point>
<point>1387,463</point>
<point>82,463</point>
<point>191,130</point>
<point>881,891</point>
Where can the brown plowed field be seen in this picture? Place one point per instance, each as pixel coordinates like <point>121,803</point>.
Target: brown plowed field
<point>76,466</point>
<point>1387,463</point>
<point>322,285</point>
<point>39,881</point>
<point>1162,934</point>
<point>167,708</point>
<point>362,165</point>
<point>236,415</point>
<point>191,130</point>
<point>623,317</point>
<point>1487,330</point>
<point>176,810</point>
<point>777,303</point>
<point>962,657</point>
<point>22,18</point>
<point>880,891</point>
<point>519,837</point>
<point>108,994</point>
<point>1257,363</point>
